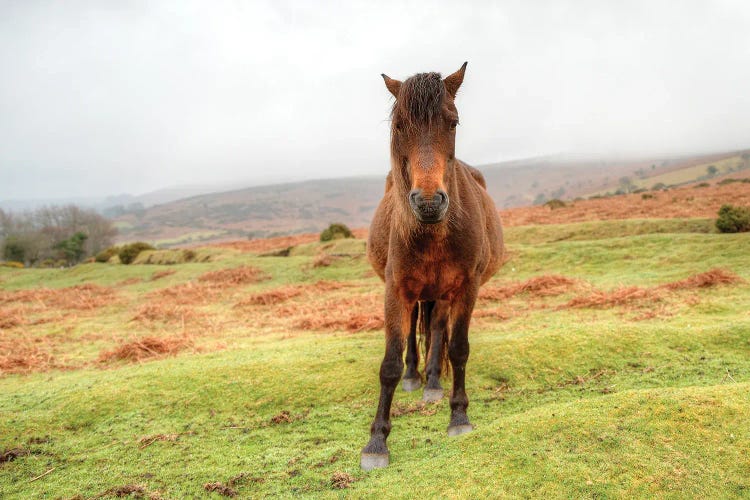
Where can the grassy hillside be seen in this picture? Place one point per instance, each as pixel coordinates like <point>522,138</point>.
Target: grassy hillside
<point>629,378</point>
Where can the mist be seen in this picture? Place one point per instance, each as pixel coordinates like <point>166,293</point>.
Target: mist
<point>102,98</point>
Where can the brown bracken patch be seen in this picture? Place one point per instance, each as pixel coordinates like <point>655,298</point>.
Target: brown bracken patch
<point>618,297</point>
<point>80,297</point>
<point>146,348</point>
<point>711,278</point>
<point>539,285</point>
<point>162,274</point>
<point>237,276</point>
<point>271,297</point>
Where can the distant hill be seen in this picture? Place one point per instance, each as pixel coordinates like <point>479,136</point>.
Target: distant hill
<point>309,206</point>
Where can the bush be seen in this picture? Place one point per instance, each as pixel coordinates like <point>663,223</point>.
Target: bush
<point>733,219</point>
<point>107,254</point>
<point>47,263</point>
<point>336,231</point>
<point>128,253</point>
<point>702,185</point>
<point>189,255</point>
<point>647,196</point>
<point>13,264</point>
<point>555,203</point>
<point>658,186</point>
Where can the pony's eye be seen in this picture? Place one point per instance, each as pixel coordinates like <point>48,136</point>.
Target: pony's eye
<point>454,124</point>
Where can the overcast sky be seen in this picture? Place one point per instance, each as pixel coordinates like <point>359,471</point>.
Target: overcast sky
<point>102,98</point>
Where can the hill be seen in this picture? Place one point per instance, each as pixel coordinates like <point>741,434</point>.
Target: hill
<point>309,206</point>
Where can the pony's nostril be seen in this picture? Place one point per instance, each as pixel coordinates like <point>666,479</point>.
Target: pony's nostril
<point>442,197</point>
<point>414,196</point>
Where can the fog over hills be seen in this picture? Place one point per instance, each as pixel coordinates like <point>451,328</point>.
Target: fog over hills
<point>309,206</point>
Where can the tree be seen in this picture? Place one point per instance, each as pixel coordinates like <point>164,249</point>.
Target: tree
<point>712,170</point>
<point>72,248</point>
<point>14,249</point>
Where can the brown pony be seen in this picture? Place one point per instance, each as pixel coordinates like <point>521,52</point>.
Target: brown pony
<point>435,238</point>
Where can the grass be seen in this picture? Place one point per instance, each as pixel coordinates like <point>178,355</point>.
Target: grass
<point>690,174</point>
<point>566,402</point>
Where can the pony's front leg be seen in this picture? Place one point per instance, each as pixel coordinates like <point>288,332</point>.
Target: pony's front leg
<point>397,323</point>
<point>412,381</point>
<point>458,352</point>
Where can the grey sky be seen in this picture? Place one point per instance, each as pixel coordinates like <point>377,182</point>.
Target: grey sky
<point>107,97</point>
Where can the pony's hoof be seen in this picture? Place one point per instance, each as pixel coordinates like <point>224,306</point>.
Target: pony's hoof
<point>432,395</point>
<point>457,430</point>
<point>371,461</point>
<point>411,384</point>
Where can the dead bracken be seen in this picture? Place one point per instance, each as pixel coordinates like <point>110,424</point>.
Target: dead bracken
<point>147,347</point>
<point>237,276</point>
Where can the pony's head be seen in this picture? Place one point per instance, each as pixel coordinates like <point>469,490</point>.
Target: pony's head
<point>423,140</point>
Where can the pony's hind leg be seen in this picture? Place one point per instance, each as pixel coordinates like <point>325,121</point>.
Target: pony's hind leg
<point>437,332</point>
<point>412,380</point>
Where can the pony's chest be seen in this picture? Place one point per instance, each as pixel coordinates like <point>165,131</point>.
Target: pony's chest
<point>433,280</point>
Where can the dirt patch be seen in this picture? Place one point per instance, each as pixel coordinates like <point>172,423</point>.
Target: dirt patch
<point>282,418</point>
<point>220,488</point>
<point>135,490</point>
<point>237,276</point>
<point>146,441</point>
<point>147,348</point>
<point>12,454</point>
<point>399,409</point>
<point>341,480</point>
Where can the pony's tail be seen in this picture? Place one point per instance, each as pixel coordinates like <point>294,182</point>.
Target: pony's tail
<point>425,337</point>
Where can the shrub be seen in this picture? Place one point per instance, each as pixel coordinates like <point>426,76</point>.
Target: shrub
<point>555,203</point>
<point>128,253</point>
<point>336,231</point>
<point>702,185</point>
<point>658,186</point>
<point>189,255</point>
<point>107,254</point>
<point>13,264</point>
<point>733,219</point>
<point>647,196</point>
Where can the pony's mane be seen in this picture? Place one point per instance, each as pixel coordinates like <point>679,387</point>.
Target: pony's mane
<point>419,101</point>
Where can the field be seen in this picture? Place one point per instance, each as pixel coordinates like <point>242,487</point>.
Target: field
<point>610,358</point>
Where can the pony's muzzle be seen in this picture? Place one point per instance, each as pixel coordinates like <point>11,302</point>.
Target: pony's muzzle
<point>429,210</point>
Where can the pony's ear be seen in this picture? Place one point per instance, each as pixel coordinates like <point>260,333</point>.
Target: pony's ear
<point>454,81</point>
<point>393,85</point>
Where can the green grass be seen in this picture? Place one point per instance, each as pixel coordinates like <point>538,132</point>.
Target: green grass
<point>566,403</point>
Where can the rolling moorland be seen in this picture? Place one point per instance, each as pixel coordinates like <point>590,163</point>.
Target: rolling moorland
<point>610,357</point>
<point>302,207</point>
